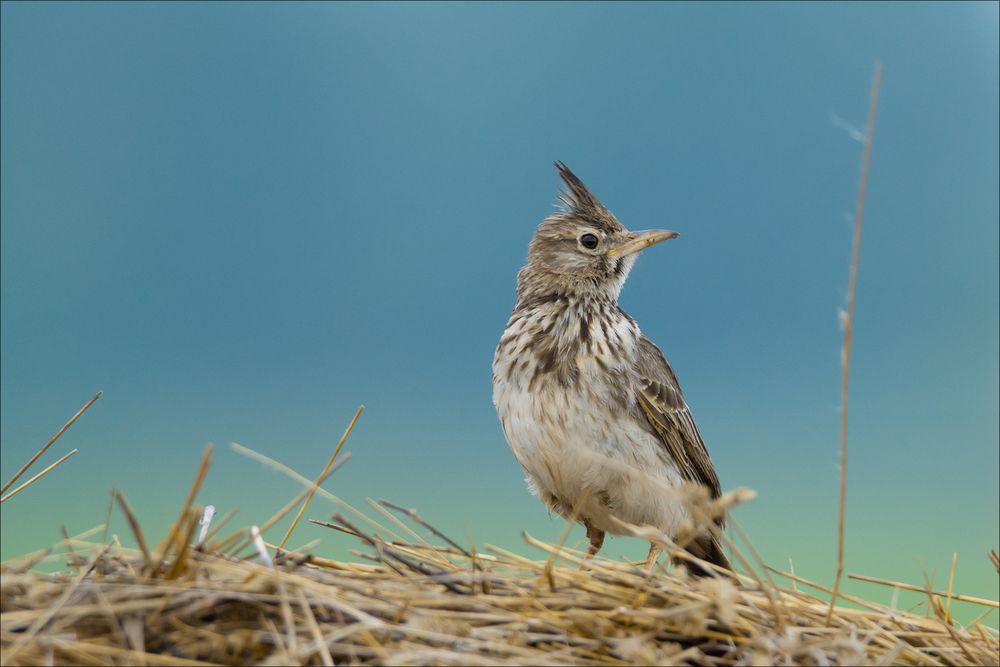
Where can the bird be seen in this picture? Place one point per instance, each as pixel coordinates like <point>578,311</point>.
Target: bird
<point>590,407</point>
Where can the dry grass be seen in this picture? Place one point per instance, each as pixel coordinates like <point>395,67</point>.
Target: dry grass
<point>197,598</point>
<point>430,601</point>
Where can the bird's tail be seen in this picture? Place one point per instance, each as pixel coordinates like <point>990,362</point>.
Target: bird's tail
<point>707,548</point>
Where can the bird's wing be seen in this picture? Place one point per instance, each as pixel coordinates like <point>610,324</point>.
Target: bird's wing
<point>659,395</point>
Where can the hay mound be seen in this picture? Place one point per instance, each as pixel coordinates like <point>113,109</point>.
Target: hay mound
<point>198,599</point>
<point>422,604</point>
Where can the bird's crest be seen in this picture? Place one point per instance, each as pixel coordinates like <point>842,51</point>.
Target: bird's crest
<point>579,202</point>
<point>577,198</point>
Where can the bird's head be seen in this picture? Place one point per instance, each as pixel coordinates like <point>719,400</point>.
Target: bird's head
<point>582,249</point>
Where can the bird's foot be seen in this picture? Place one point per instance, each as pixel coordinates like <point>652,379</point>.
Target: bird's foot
<point>596,537</point>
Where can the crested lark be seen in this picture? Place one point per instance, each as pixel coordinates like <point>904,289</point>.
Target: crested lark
<point>590,407</point>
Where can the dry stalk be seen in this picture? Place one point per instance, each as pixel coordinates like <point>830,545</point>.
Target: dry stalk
<point>923,589</point>
<point>38,476</point>
<point>45,447</point>
<point>322,475</point>
<point>848,321</point>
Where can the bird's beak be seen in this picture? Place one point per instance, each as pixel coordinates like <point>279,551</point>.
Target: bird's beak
<point>637,241</point>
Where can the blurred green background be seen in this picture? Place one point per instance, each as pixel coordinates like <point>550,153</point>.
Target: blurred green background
<point>242,220</point>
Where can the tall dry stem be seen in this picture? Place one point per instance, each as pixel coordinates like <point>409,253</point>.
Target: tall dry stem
<point>845,354</point>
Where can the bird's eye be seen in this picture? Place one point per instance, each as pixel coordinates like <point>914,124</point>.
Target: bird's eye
<point>588,241</point>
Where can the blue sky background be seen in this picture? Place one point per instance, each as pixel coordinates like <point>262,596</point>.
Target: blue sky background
<point>241,221</point>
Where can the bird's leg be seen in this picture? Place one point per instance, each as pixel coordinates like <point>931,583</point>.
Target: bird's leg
<point>596,538</point>
<point>654,552</point>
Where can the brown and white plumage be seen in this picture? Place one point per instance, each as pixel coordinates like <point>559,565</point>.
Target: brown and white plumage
<point>590,407</point>
<point>663,404</point>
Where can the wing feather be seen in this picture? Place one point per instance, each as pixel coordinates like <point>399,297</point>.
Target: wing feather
<point>659,395</point>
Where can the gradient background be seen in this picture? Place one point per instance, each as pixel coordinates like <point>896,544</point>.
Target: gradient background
<point>241,221</point>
